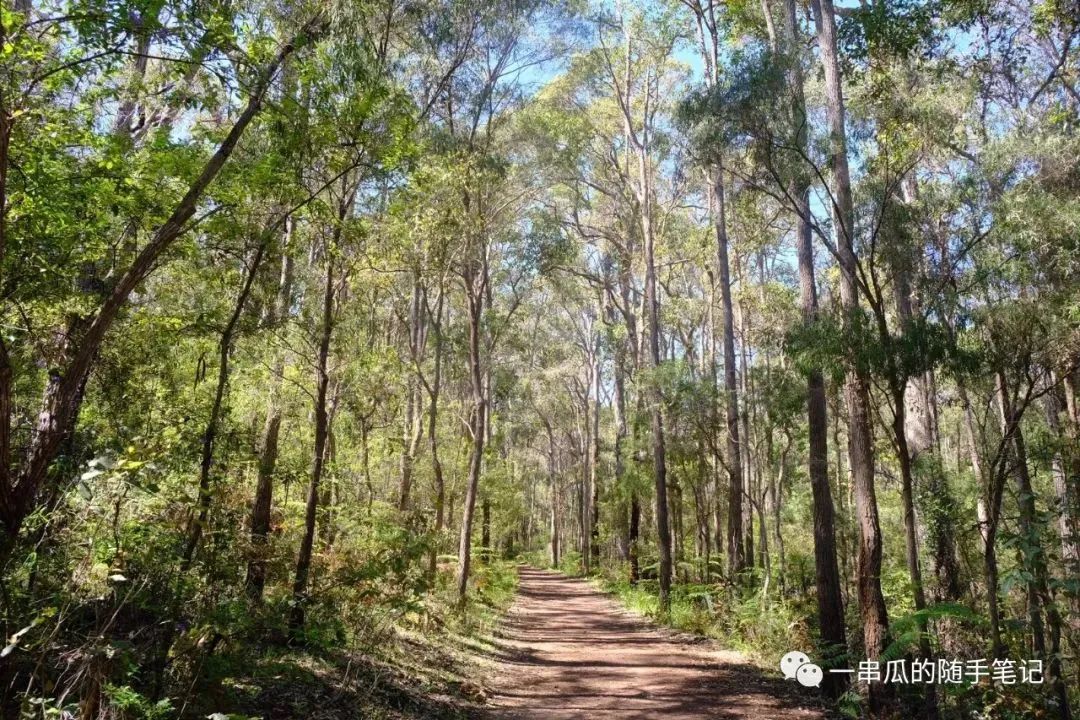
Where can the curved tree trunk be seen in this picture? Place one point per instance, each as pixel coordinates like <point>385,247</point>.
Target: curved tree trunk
<point>60,405</point>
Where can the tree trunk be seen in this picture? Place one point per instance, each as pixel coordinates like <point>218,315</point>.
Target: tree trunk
<point>594,462</point>
<point>634,535</point>
<point>872,608</point>
<point>1067,491</point>
<point>619,408</point>
<point>1068,497</point>
<point>553,493</point>
<point>414,418</point>
<point>659,454</point>
<point>736,551</point>
<point>830,603</point>
<point>477,425</point>
<point>433,437</point>
<point>586,467</point>
<point>268,447</point>
<point>1033,560</point>
<point>911,543</point>
<point>307,544</point>
<point>225,345</point>
<point>989,513</point>
<point>485,529</point>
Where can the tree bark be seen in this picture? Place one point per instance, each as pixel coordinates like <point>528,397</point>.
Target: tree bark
<point>477,425</point>
<point>830,602</point>
<point>1033,560</point>
<point>433,437</point>
<point>594,461</point>
<point>414,418</point>
<point>1066,475</point>
<point>657,422</point>
<point>857,394</point>
<point>268,446</point>
<point>553,494</point>
<point>307,543</point>
<point>225,346</point>
<point>736,550</point>
<point>60,406</point>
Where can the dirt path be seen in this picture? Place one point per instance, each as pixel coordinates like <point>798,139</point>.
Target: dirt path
<point>567,651</point>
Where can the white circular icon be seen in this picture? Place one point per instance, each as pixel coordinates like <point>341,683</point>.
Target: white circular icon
<point>790,663</point>
<point>809,675</point>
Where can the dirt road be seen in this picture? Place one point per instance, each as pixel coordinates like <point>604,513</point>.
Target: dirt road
<point>569,652</point>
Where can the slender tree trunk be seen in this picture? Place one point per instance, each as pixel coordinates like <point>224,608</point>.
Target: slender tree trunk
<point>633,535</point>
<point>1067,492</point>
<point>225,345</point>
<point>433,436</point>
<point>268,447</point>
<point>61,406</point>
<point>911,542</point>
<point>714,424</point>
<point>414,417</point>
<point>736,551</point>
<point>477,425</point>
<point>872,608</point>
<point>701,513</point>
<point>586,468</point>
<point>553,493</point>
<point>594,461</point>
<point>1033,560</point>
<point>748,467</point>
<point>485,529</point>
<point>989,512</point>
<point>634,519</point>
<point>307,543</point>
<point>659,453</point>
<point>1066,472</point>
<point>329,500</point>
<point>619,408</point>
<point>830,601</point>
<point>777,509</point>
<point>1010,429</point>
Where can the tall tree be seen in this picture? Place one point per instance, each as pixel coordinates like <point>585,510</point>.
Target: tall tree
<point>872,607</point>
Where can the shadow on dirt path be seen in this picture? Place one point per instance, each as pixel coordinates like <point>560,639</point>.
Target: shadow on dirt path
<point>567,651</point>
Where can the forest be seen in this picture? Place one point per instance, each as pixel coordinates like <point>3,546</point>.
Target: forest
<point>331,329</point>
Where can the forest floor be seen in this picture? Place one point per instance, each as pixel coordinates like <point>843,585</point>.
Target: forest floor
<point>566,651</point>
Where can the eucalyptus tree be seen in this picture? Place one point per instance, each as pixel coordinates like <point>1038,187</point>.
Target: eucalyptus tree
<point>477,105</point>
<point>367,138</point>
<point>787,45</point>
<point>875,619</point>
<point>71,65</point>
<point>639,74</point>
<point>709,17</point>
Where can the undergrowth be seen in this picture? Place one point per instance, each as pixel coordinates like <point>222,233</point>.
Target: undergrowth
<point>421,664</point>
<point>763,628</point>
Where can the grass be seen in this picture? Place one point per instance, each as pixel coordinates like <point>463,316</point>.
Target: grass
<point>762,628</point>
<point>422,665</point>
